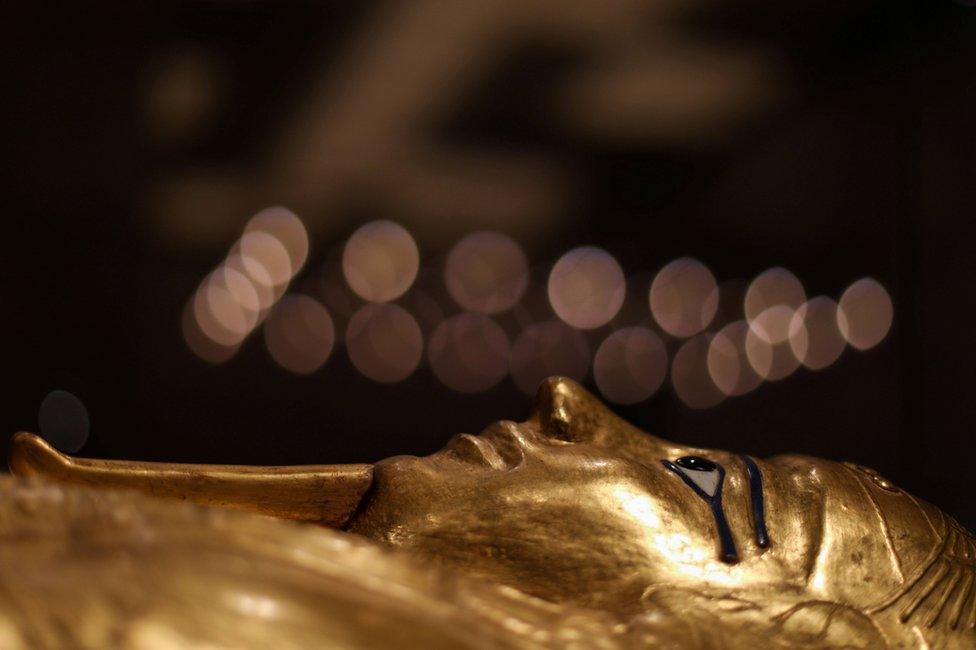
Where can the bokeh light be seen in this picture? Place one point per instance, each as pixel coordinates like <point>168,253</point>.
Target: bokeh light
<point>486,272</point>
<point>690,377</point>
<point>231,301</point>
<point>63,421</point>
<point>815,337</point>
<point>684,297</point>
<point>299,334</point>
<point>630,365</point>
<point>380,261</point>
<point>469,353</point>
<point>774,288</point>
<point>773,324</point>
<point>384,342</point>
<point>728,364</point>
<point>771,357</point>
<point>546,349</point>
<point>261,282</point>
<point>865,313</point>
<point>218,314</point>
<point>285,226</point>
<point>198,342</point>
<point>229,281</point>
<point>263,254</point>
<point>586,287</point>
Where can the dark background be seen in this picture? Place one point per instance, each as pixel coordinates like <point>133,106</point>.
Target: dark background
<point>854,154</point>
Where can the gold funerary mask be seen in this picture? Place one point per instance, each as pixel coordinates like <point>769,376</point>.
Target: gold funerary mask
<point>578,509</point>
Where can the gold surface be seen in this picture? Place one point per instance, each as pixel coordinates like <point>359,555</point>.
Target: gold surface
<point>324,494</point>
<point>566,530</point>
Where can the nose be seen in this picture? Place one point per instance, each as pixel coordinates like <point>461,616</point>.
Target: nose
<point>565,410</point>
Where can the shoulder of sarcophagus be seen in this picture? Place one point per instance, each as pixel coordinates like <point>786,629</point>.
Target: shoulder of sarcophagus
<point>85,567</point>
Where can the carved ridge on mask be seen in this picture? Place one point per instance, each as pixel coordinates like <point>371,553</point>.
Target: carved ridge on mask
<point>758,500</point>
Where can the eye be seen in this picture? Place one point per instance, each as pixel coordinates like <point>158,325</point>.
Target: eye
<point>705,478</point>
<point>696,463</point>
<point>700,471</point>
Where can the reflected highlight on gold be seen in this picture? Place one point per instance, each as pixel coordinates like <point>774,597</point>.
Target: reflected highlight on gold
<point>630,365</point>
<point>865,313</point>
<point>299,334</point>
<point>380,261</point>
<point>545,349</point>
<point>469,353</point>
<point>815,338</point>
<point>384,342</point>
<point>486,272</point>
<point>586,287</point>
<point>684,297</point>
<point>690,374</point>
<point>728,363</point>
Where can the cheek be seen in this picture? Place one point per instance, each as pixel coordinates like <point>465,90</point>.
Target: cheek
<point>576,544</point>
<point>558,521</point>
<point>672,527</point>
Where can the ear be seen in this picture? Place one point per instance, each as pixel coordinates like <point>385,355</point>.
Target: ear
<point>566,410</point>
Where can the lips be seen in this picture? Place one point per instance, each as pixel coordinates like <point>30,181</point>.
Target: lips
<point>475,450</point>
<point>500,447</point>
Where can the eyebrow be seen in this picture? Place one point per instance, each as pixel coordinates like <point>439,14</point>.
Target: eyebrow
<point>758,500</point>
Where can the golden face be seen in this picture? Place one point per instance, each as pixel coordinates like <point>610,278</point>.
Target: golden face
<point>575,505</point>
